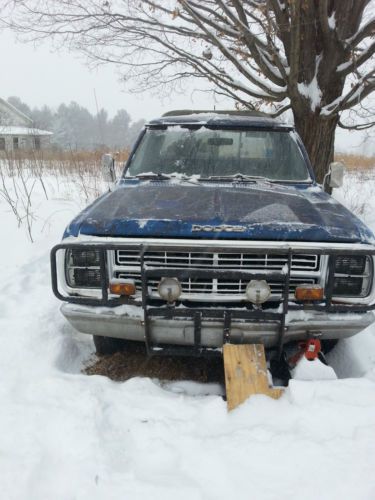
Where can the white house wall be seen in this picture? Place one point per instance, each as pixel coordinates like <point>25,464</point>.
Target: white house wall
<point>25,142</point>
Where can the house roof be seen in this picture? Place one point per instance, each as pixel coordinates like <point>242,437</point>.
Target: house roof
<point>14,110</point>
<point>14,130</point>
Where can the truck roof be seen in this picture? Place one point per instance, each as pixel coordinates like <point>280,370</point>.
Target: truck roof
<point>220,119</point>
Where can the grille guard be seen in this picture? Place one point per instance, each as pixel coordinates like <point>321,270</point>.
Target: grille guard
<point>197,314</point>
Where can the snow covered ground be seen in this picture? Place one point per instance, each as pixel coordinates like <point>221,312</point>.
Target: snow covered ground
<point>65,436</point>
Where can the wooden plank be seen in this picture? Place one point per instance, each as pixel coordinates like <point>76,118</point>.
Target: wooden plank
<point>245,370</point>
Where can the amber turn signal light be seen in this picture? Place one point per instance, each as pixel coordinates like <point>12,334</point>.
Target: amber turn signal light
<point>122,288</point>
<point>305,293</point>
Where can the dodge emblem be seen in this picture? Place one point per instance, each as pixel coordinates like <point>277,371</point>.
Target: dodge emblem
<point>219,229</point>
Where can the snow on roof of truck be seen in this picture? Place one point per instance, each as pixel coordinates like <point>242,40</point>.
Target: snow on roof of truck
<point>218,119</point>
<point>235,112</point>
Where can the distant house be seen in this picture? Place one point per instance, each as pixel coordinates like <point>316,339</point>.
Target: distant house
<point>17,131</point>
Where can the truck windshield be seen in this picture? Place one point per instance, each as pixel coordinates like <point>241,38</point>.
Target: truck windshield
<point>209,153</point>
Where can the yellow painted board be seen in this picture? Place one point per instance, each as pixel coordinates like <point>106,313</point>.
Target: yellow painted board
<point>245,370</point>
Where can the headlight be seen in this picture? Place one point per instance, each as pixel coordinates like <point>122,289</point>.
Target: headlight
<point>350,264</point>
<point>353,276</point>
<point>82,268</point>
<point>83,258</point>
<point>169,289</point>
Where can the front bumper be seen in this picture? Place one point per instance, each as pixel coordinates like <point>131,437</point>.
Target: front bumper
<point>210,327</point>
<point>127,322</point>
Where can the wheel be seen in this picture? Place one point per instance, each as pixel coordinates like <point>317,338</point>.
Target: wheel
<point>108,345</point>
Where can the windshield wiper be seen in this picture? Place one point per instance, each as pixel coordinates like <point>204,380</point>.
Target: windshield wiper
<point>235,177</point>
<point>166,177</point>
<point>151,175</point>
<point>244,177</point>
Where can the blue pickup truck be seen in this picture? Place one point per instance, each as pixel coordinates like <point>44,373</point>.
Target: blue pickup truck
<point>216,232</point>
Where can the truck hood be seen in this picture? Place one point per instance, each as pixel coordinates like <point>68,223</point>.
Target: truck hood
<point>179,209</point>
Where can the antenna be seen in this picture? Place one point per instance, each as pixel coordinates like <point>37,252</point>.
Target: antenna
<point>97,115</point>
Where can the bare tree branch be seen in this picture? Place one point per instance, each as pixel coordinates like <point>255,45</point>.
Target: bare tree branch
<point>368,29</point>
<point>357,126</point>
<point>313,57</point>
<point>357,61</point>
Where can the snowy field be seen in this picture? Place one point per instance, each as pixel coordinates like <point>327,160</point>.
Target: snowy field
<point>68,436</point>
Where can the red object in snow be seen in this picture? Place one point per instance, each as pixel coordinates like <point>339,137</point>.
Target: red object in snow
<point>312,349</point>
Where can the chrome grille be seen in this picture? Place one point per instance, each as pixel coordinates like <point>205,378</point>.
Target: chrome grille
<point>305,268</point>
<point>301,262</point>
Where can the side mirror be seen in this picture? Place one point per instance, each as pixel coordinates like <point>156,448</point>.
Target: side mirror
<point>108,168</point>
<point>336,174</point>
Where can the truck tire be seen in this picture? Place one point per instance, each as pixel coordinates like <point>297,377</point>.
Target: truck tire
<point>108,345</point>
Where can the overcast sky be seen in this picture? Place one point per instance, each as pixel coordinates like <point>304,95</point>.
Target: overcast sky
<point>41,76</point>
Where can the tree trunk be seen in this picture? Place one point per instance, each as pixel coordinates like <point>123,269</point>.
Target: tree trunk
<point>318,135</point>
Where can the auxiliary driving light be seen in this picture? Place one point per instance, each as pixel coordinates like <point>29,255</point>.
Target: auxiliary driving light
<point>122,287</point>
<point>169,289</point>
<point>258,291</point>
<point>308,293</point>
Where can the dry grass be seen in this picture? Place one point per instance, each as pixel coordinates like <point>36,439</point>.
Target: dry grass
<point>63,163</point>
<point>74,173</point>
<point>356,162</point>
<point>70,162</point>
<point>64,156</point>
